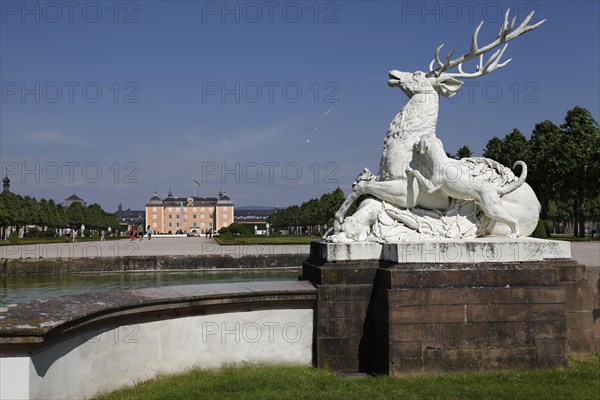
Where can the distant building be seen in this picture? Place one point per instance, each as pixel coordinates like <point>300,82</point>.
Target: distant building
<point>130,217</point>
<point>5,185</point>
<point>73,199</point>
<point>189,214</point>
<point>252,217</point>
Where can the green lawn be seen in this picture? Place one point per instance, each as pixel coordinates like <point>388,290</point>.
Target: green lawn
<point>581,380</point>
<point>262,239</point>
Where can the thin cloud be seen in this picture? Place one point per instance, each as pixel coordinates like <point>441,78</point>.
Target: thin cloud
<point>45,138</point>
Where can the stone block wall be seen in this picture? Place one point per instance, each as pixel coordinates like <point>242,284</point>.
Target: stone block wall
<point>579,298</point>
<point>465,317</point>
<point>343,336</point>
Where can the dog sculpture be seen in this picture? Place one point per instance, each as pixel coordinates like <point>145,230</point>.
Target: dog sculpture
<point>456,179</point>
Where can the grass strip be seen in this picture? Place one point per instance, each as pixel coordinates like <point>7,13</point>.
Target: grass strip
<point>581,380</point>
<point>266,240</point>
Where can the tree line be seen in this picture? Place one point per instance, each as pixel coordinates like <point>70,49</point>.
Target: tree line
<point>563,167</point>
<point>21,211</point>
<point>311,217</point>
<point>563,170</point>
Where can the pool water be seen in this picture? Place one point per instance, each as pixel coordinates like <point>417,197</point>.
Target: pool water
<point>22,289</point>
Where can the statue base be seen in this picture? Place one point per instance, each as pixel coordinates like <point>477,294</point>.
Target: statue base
<point>490,303</point>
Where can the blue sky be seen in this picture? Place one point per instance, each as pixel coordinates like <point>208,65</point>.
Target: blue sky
<point>274,102</point>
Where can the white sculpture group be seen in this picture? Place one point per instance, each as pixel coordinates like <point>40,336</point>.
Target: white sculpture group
<point>419,192</point>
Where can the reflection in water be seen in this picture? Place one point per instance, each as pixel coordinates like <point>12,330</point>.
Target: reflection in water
<point>21,289</point>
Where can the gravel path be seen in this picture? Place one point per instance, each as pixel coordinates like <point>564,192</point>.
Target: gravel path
<point>586,253</point>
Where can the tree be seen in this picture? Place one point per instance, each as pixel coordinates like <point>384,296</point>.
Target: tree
<point>509,150</point>
<point>76,215</point>
<point>563,166</point>
<point>580,148</point>
<point>463,152</point>
<point>515,147</point>
<point>235,229</point>
<point>494,149</point>
<point>311,216</point>
<point>544,164</point>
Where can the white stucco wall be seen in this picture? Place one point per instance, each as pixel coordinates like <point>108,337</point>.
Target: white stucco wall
<point>14,377</point>
<point>96,362</point>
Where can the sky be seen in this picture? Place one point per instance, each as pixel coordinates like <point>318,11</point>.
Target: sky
<point>273,102</point>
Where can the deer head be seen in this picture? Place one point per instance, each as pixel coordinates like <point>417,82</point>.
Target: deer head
<point>446,84</point>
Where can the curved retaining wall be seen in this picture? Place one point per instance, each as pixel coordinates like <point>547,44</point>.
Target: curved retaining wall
<point>78,346</point>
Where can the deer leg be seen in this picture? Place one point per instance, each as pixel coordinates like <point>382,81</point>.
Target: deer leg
<point>399,193</point>
<point>367,211</point>
<point>341,212</point>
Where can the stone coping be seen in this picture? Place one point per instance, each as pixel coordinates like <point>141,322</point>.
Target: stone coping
<point>38,321</point>
<point>184,246</point>
<point>479,250</point>
<point>148,263</point>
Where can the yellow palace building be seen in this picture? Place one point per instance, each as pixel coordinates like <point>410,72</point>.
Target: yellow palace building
<point>193,215</point>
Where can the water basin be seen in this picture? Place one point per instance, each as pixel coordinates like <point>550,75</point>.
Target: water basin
<point>16,289</point>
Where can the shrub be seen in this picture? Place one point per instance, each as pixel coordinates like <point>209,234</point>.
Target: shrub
<point>50,232</point>
<point>540,231</point>
<point>13,238</point>
<point>549,226</point>
<point>226,235</point>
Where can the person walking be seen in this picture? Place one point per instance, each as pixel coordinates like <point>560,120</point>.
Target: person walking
<point>74,233</point>
<point>149,232</point>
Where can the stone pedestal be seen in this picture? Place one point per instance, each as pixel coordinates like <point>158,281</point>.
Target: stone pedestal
<point>449,317</point>
<point>579,306</point>
<point>343,335</point>
<point>446,306</point>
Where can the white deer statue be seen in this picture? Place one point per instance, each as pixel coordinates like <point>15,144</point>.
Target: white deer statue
<point>396,188</point>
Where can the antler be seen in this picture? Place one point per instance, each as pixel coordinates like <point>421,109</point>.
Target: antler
<point>506,33</point>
